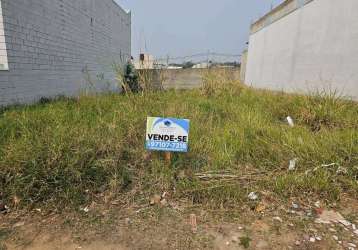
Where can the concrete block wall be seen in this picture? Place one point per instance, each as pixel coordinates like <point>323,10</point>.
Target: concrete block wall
<point>313,48</point>
<point>60,47</point>
<point>185,78</point>
<point>243,65</point>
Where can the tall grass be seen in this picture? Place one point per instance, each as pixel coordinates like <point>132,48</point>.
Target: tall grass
<point>79,150</point>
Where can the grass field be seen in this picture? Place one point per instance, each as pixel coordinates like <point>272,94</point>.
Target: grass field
<point>70,152</point>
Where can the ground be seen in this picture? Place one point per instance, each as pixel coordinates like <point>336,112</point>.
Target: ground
<point>74,173</point>
<point>168,227</point>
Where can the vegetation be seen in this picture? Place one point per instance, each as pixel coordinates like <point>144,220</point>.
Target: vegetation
<point>75,151</point>
<point>245,242</point>
<point>188,65</point>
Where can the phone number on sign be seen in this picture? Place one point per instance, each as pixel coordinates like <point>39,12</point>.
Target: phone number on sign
<point>173,145</point>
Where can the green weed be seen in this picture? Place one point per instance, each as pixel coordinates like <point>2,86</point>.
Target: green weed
<point>70,151</point>
<point>245,241</point>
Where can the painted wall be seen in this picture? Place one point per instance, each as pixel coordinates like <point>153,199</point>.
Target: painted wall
<point>313,48</point>
<point>243,65</point>
<point>3,51</point>
<point>55,47</point>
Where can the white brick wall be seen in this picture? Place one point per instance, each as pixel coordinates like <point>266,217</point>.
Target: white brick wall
<point>52,44</point>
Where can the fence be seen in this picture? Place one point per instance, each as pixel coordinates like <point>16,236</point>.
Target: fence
<point>200,59</point>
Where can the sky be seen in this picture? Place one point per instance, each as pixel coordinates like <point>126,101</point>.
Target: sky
<point>180,28</point>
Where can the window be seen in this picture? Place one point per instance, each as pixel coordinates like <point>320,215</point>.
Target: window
<point>3,53</point>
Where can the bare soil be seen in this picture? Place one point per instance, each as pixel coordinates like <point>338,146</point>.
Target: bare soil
<point>275,226</point>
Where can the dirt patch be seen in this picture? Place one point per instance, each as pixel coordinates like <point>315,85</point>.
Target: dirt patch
<point>158,227</point>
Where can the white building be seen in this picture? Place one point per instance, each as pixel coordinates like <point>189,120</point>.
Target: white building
<point>306,45</point>
<point>203,65</point>
<point>146,61</point>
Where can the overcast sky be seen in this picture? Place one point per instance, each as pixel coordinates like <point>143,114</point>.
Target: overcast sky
<point>185,27</point>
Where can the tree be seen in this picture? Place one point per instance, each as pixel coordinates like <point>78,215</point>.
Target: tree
<point>188,65</point>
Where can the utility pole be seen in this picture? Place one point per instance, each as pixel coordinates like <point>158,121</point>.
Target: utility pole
<point>208,59</point>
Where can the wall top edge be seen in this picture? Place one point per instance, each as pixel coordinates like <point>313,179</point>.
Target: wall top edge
<point>282,10</point>
<point>128,12</point>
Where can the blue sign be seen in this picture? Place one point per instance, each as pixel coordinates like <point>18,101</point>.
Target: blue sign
<point>167,134</point>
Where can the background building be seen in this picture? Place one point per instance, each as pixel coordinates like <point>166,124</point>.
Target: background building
<point>58,47</point>
<point>146,61</point>
<point>306,45</point>
<point>202,65</point>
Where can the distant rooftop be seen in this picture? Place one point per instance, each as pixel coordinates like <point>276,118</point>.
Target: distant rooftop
<point>284,9</point>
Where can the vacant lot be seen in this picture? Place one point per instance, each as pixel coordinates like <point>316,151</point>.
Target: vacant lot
<point>78,168</point>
